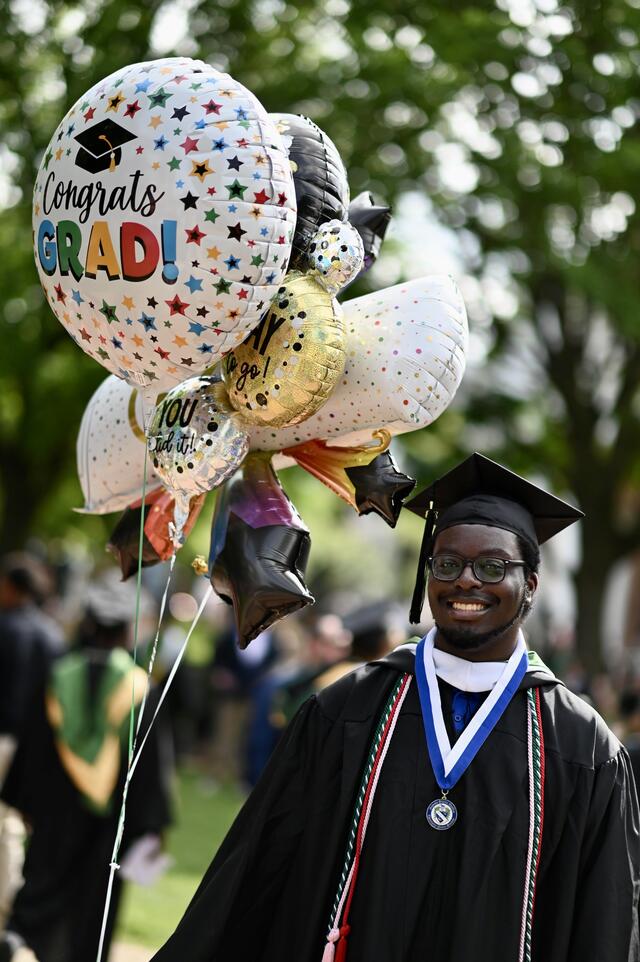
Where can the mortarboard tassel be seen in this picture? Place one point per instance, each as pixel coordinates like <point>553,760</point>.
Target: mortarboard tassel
<point>112,165</point>
<point>417,600</point>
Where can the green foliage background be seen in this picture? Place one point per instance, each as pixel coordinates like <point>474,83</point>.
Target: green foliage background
<point>516,119</point>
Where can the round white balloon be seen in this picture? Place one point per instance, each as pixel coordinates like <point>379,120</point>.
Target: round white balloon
<point>406,350</point>
<point>195,439</point>
<point>111,449</point>
<point>163,215</point>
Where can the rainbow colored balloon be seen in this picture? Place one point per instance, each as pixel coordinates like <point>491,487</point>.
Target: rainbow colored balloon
<point>163,215</point>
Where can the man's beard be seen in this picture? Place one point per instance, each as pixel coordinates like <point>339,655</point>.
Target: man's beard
<point>466,640</point>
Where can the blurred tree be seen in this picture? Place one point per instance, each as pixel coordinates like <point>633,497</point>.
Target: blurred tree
<point>518,121</point>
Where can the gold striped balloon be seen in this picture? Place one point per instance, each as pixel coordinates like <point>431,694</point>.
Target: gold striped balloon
<point>289,365</point>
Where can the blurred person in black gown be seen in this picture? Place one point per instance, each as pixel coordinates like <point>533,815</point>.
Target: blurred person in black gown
<point>375,630</point>
<point>323,644</point>
<point>327,646</point>
<point>67,779</point>
<point>236,677</point>
<point>29,641</point>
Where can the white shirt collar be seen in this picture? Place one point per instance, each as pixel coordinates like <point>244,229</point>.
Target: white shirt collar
<point>466,675</point>
<point>462,674</point>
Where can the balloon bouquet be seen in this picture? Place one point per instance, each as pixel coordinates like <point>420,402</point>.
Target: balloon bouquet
<point>195,246</point>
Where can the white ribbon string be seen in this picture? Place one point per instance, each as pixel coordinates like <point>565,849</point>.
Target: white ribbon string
<point>169,680</point>
<point>113,865</point>
<point>154,651</point>
<point>134,756</point>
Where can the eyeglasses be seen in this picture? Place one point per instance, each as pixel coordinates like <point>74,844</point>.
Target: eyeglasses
<point>447,567</point>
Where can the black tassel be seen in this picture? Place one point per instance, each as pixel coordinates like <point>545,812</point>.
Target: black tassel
<point>417,601</point>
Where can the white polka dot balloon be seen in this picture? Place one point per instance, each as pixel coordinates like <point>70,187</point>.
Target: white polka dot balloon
<point>111,449</point>
<point>406,348</point>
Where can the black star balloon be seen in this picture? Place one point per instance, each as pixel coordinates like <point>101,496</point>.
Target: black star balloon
<point>260,571</point>
<point>259,550</point>
<point>380,487</point>
<point>371,221</point>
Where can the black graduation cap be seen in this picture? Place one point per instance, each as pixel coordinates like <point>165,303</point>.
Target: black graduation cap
<point>100,146</point>
<point>481,491</point>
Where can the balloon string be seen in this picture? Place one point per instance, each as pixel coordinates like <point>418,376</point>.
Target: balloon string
<point>131,762</point>
<point>384,439</point>
<point>133,738</point>
<point>134,757</point>
<point>131,742</point>
<point>154,646</point>
<point>170,678</point>
<point>136,624</point>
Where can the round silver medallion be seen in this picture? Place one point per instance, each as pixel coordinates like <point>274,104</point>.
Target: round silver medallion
<point>442,814</point>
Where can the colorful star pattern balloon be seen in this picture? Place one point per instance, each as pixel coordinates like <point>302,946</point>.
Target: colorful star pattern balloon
<point>163,214</point>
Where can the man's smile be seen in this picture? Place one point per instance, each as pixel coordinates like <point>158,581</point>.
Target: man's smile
<point>466,608</point>
<point>467,605</point>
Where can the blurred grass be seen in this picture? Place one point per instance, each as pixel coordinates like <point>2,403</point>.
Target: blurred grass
<point>203,815</point>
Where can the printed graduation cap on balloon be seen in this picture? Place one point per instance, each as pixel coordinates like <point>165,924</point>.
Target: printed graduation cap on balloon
<point>481,491</point>
<point>100,146</point>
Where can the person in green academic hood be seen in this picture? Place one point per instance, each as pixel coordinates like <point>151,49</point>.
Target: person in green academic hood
<point>67,779</point>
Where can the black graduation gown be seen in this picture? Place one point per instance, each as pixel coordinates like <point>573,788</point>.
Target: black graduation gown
<point>453,896</point>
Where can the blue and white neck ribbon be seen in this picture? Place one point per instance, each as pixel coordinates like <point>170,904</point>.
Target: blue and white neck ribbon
<point>449,764</point>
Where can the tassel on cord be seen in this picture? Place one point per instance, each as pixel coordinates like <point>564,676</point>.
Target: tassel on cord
<point>329,953</point>
<point>341,948</point>
<point>336,948</point>
<point>417,600</point>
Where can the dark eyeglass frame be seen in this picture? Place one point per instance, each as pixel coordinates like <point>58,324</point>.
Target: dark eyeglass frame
<point>473,562</point>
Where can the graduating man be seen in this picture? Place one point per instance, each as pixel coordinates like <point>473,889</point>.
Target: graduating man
<point>450,802</point>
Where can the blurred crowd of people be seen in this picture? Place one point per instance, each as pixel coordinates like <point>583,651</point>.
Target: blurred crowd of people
<point>69,687</point>
<point>68,684</point>
<point>64,723</point>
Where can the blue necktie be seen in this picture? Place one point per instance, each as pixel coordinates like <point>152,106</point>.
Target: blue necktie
<point>463,707</point>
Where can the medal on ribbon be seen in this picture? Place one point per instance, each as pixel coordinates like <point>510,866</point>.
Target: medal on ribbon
<point>450,763</point>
